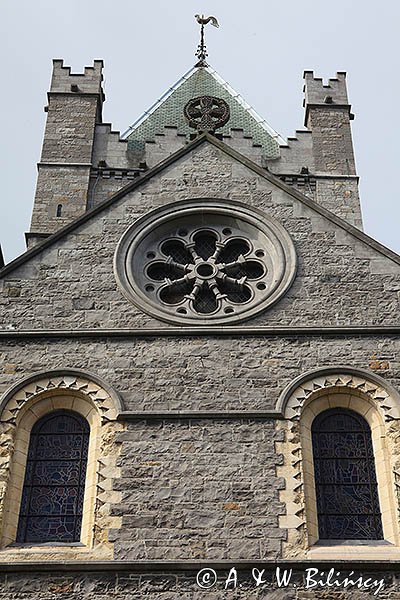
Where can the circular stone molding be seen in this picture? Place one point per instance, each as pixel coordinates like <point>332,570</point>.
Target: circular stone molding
<point>205,261</point>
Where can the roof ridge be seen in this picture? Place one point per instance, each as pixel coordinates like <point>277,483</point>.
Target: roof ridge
<point>260,120</point>
<point>158,102</point>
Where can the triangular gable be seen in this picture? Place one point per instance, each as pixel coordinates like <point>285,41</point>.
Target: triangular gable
<point>203,81</point>
<point>341,224</point>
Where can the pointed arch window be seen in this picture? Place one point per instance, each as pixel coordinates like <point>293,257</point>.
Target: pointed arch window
<point>345,478</point>
<point>52,497</point>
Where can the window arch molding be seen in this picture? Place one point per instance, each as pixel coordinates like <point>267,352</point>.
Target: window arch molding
<point>21,407</point>
<point>306,397</point>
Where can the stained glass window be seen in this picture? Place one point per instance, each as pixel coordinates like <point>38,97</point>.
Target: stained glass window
<point>345,478</point>
<point>52,497</point>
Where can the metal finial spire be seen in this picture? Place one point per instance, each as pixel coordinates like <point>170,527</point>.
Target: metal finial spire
<point>202,49</point>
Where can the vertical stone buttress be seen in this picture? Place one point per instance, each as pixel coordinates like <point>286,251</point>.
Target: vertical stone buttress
<point>328,116</point>
<point>74,106</point>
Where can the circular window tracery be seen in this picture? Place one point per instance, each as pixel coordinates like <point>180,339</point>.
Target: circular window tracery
<point>205,261</point>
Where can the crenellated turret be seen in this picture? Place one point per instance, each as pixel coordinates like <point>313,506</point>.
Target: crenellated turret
<point>327,116</point>
<point>74,107</point>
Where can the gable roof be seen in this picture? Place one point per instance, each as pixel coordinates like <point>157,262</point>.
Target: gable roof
<point>205,137</point>
<point>203,81</point>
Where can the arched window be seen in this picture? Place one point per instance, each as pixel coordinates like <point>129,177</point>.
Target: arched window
<point>345,479</point>
<point>52,497</point>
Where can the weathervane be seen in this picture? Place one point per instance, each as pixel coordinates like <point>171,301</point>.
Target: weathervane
<point>202,50</point>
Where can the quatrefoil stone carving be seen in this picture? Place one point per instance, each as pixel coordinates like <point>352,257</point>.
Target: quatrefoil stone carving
<point>206,113</point>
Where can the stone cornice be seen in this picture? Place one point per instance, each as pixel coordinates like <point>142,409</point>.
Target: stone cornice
<point>229,415</point>
<point>168,566</point>
<point>220,331</point>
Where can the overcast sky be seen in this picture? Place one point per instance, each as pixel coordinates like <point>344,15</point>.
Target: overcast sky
<point>261,49</point>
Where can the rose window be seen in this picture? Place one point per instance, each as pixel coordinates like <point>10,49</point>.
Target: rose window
<point>211,262</point>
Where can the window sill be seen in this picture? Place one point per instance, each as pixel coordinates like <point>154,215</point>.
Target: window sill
<point>55,552</point>
<point>32,546</point>
<point>354,550</point>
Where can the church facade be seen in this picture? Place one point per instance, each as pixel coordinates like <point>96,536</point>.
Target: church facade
<point>200,357</point>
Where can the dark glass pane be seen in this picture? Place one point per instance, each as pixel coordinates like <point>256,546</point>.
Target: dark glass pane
<point>177,251</point>
<point>157,271</point>
<point>205,244</point>
<point>235,293</point>
<point>345,479</point>
<point>342,471</point>
<point>64,446</point>
<point>343,445</point>
<point>56,472</point>
<point>342,421</point>
<point>60,529</point>
<point>52,498</point>
<point>52,501</point>
<point>233,249</point>
<point>205,301</point>
<point>347,499</point>
<point>56,424</point>
<point>172,294</point>
<point>253,269</point>
<point>347,527</point>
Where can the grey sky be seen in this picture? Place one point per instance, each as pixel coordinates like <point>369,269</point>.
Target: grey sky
<point>261,49</point>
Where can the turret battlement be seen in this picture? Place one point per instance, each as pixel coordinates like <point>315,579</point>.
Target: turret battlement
<point>316,92</point>
<point>88,82</point>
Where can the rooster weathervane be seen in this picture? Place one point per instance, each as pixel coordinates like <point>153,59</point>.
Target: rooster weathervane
<point>202,50</point>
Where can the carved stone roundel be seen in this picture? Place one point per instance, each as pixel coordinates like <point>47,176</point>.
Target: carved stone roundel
<point>205,261</point>
<point>206,113</point>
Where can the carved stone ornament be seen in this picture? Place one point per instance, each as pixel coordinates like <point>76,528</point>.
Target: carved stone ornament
<point>103,398</point>
<point>205,261</point>
<point>206,113</point>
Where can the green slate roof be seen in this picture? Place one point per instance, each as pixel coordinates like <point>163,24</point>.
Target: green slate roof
<point>202,81</point>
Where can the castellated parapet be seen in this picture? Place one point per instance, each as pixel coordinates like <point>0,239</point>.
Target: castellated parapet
<point>88,82</point>
<point>316,92</point>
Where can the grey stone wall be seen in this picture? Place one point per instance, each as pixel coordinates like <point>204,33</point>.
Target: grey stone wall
<point>201,373</point>
<point>341,196</point>
<point>90,81</point>
<point>332,144</point>
<point>198,489</point>
<point>341,280</point>
<point>69,128</point>
<point>316,91</point>
<point>194,489</point>
<point>65,185</point>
